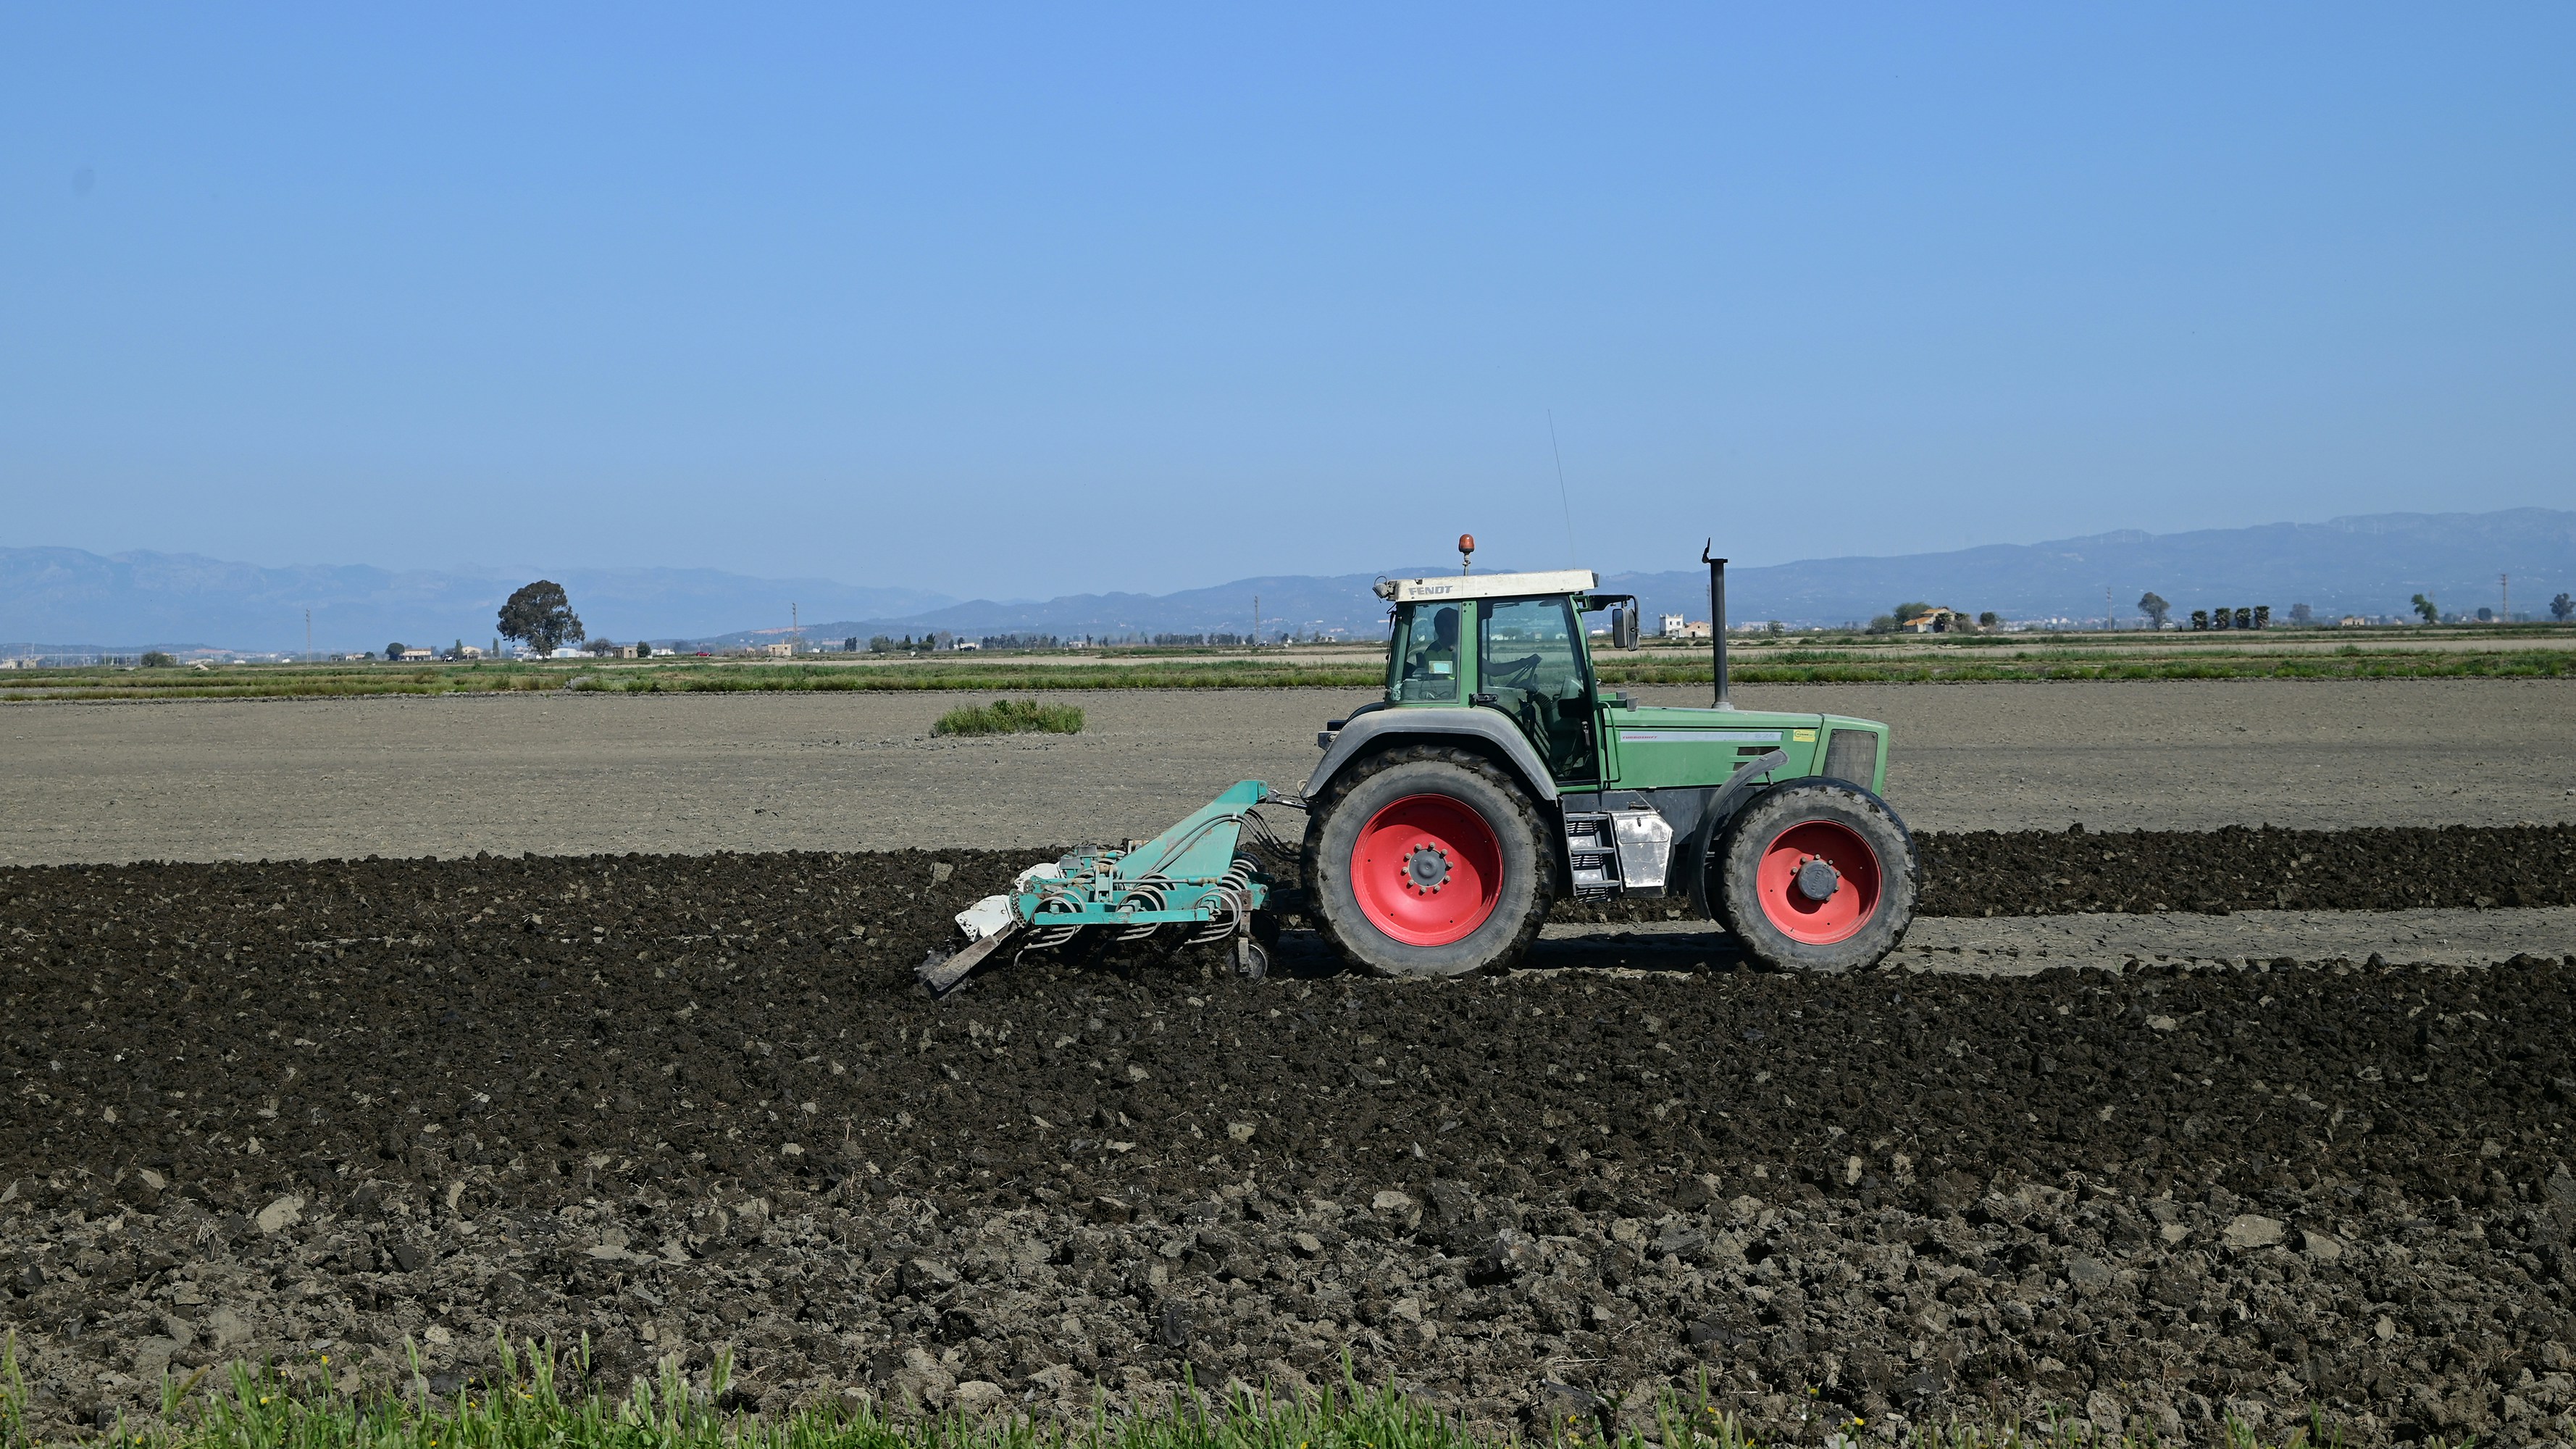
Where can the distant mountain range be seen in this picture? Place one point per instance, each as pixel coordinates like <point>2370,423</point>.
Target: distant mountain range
<point>57,600</point>
<point>2367,565</point>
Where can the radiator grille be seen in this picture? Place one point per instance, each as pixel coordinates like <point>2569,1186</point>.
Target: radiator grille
<point>1852,755</point>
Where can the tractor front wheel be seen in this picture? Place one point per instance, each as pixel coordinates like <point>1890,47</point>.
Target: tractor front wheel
<point>1427,861</point>
<point>1816,875</point>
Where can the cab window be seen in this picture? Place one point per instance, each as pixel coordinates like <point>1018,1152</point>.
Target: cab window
<point>1533,668</point>
<point>1427,655</point>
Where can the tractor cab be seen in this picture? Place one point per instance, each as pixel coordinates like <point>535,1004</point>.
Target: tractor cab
<point>1513,643</point>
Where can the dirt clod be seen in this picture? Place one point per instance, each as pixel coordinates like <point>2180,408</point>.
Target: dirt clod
<point>549,1098</point>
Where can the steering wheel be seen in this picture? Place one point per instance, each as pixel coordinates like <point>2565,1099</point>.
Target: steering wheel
<point>1518,673</point>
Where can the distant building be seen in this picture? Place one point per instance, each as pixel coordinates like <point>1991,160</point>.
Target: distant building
<point>1669,624</point>
<point>416,654</point>
<point>1933,621</point>
<point>778,651</point>
<point>466,651</point>
<point>969,644</point>
<point>1675,627</point>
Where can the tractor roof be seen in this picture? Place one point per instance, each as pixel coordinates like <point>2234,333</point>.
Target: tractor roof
<point>1487,586</point>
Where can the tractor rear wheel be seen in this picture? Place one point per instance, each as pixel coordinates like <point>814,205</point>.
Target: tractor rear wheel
<point>1427,861</point>
<point>1815,875</point>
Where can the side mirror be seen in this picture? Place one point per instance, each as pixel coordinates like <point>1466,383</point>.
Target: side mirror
<point>1623,627</point>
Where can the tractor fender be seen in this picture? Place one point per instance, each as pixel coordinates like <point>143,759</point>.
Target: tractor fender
<point>1376,729</point>
<point>1738,791</point>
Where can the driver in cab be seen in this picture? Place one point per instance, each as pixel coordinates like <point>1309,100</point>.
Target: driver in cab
<point>1436,662</point>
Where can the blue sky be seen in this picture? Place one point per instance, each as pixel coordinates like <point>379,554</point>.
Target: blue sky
<point>1025,301</point>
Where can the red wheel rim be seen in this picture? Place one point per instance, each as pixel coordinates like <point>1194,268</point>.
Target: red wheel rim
<point>1427,870</point>
<point>1790,910</point>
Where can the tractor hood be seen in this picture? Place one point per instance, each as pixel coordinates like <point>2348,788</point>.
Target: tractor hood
<point>1667,746</point>
<point>1680,717</point>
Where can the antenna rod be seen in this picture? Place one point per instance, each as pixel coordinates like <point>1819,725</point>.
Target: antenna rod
<point>1571,560</point>
<point>1717,617</point>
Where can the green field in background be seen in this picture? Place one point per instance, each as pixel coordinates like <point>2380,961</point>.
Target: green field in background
<point>1752,663</point>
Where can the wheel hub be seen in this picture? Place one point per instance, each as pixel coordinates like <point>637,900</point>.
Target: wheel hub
<point>1426,869</point>
<point>1817,879</point>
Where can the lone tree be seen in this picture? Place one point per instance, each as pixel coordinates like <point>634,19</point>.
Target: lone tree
<point>2432,612</point>
<point>2153,605</point>
<point>394,652</point>
<point>540,617</point>
<point>2562,608</point>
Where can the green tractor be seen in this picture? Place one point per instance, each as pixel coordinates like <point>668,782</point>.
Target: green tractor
<point>1497,776</point>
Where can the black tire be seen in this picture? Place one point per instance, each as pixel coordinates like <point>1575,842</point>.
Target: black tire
<point>1842,814</point>
<point>1528,867</point>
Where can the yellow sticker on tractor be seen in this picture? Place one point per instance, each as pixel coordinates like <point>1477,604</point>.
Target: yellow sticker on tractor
<point>1804,737</point>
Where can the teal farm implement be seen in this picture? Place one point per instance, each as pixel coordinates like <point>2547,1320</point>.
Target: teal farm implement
<point>1493,777</point>
<point>1193,877</point>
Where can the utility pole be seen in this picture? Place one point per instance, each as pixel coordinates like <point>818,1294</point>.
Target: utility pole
<point>2504,585</point>
<point>308,636</point>
<point>2110,614</point>
<point>1256,621</point>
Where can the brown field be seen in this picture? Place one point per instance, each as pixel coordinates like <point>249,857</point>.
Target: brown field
<point>578,774</point>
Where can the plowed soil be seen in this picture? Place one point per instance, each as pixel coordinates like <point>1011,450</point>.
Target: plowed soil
<point>678,1103</point>
<point>1989,872</point>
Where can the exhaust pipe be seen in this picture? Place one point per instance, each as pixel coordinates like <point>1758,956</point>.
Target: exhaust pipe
<point>1717,617</point>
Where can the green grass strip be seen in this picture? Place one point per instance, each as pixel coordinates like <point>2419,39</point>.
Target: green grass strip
<point>524,1407</point>
<point>1010,717</point>
<point>1753,666</point>
<point>1792,669</point>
